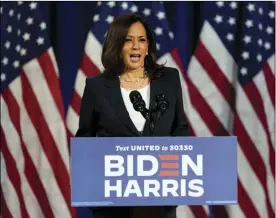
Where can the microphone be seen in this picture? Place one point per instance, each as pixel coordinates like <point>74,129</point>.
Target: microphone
<point>161,103</point>
<point>139,104</point>
<point>161,106</point>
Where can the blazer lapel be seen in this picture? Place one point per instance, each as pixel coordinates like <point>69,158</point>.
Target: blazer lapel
<point>114,95</point>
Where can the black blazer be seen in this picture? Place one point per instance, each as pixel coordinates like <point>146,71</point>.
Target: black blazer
<point>103,112</point>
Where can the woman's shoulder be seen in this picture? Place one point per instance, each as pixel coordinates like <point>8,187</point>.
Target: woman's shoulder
<point>168,70</point>
<point>169,73</point>
<point>96,80</point>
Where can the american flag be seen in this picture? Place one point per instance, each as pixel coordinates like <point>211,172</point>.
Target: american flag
<point>231,84</point>
<point>34,153</point>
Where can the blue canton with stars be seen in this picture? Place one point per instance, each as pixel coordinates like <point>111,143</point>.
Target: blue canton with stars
<point>152,12</point>
<point>23,37</point>
<point>247,31</point>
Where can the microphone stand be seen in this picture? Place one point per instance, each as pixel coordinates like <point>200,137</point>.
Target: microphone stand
<point>153,120</point>
<point>148,115</point>
<point>159,110</point>
<point>151,124</point>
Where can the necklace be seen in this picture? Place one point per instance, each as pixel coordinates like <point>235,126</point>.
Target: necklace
<point>138,79</point>
<point>141,78</point>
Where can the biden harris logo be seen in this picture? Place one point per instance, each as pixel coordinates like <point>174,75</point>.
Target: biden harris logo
<point>159,175</point>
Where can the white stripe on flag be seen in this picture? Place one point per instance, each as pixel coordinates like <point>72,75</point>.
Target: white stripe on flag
<point>206,208</point>
<point>184,212</point>
<point>40,161</point>
<point>251,185</point>
<point>257,134</point>
<point>219,53</point>
<point>271,63</point>
<point>80,82</point>
<point>9,194</point>
<point>209,91</point>
<point>72,120</point>
<point>53,60</point>
<point>48,107</point>
<point>14,146</point>
<point>259,81</point>
<point>93,49</point>
<point>235,211</point>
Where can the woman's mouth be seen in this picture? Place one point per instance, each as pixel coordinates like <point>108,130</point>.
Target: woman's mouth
<point>135,57</point>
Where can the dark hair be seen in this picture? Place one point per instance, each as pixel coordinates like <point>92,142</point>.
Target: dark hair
<point>111,54</point>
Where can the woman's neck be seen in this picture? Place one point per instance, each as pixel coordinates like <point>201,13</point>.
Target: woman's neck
<point>134,74</point>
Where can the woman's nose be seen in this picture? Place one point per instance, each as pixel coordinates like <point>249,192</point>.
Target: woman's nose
<point>135,44</point>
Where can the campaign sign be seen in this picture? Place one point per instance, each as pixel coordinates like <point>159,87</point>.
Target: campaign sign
<point>145,171</point>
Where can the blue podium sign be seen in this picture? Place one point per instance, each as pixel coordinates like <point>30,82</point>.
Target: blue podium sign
<point>146,171</point>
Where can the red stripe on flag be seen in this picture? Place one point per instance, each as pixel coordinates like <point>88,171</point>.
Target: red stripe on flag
<point>13,173</point>
<point>217,76</point>
<point>220,211</point>
<point>199,212</point>
<point>176,57</point>
<point>30,170</point>
<point>76,102</point>
<point>245,203</point>
<point>199,103</point>
<point>69,135</point>
<point>88,67</point>
<point>257,102</point>
<point>270,82</point>
<point>206,113</point>
<point>253,157</point>
<point>52,79</point>
<point>46,139</point>
<point>5,212</point>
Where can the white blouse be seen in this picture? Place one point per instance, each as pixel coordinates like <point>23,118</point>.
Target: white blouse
<point>136,117</point>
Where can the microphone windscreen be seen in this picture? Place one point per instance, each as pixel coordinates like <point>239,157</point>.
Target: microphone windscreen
<point>161,101</point>
<point>134,95</point>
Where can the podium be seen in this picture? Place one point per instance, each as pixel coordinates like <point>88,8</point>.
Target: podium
<point>153,171</point>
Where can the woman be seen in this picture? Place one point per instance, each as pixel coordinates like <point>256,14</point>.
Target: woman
<point>129,61</point>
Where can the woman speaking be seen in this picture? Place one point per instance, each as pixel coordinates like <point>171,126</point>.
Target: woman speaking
<point>116,103</point>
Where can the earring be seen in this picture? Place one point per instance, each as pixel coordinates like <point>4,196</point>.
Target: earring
<point>147,53</point>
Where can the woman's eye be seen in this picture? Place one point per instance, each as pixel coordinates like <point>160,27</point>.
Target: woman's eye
<point>141,40</point>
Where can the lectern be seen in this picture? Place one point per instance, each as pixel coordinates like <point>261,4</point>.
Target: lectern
<point>152,171</point>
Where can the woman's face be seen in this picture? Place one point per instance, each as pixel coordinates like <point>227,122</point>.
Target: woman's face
<point>135,47</point>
